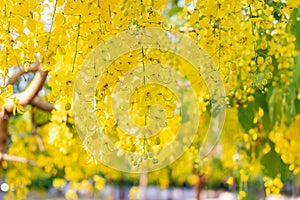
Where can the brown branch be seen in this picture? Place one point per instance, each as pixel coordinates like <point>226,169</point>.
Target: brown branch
<point>7,157</point>
<point>20,72</point>
<point>41,104</point>
<point>143,185</point>
<point>201,180</point>
<point>36,134</point>
<point>4,116</point>
<point>27,96</point>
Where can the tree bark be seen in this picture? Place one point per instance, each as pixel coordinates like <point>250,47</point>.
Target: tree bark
<point>201,180</point>
<point>295,186</point>
<point>29,96</point>
<point>122,190</point>
<point>8,157</point>
<point>19,72</point>
<point>143,185</point>
<point>41,104</point>
<point>4,116</point>
<point>34,87</point>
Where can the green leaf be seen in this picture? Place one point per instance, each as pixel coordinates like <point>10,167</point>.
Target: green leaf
<point>295,25</point>
<point>296,72</point>
<point>289,104</point>
<point>297,105</point>
<point>275,105</point>
<point>262,101</point>
<point>271,104</point>
<point>272,165</point>
<point>246,116</point>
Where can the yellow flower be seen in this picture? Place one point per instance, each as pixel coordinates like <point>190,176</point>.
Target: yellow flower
<point>134,193</point>
<point>242,195</point>
<point>71,194</point>
<point>17,106</point>
<point>99,182</point>
<point>230,181</point>
<point>2,101</point>
<point>58,182</point>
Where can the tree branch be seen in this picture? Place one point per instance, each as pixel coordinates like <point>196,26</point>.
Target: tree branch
<point>4,116</point>
<point>36,134</point>
<point>7,157</point>
<point>20,72</point>
<point>41,104</point>
<point>27,96</point>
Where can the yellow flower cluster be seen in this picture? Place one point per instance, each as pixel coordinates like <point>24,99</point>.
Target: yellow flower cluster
<point>273,186</point>
<point>247,40</point>
<point>286,144</point>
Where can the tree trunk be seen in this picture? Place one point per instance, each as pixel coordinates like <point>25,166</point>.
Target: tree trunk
<point>143,185</point>
<point>201,180</point>
<point>295,186</point>
<point>4,117</point>
<point>170,192</point>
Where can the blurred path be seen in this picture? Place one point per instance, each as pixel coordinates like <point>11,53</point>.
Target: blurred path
<point>152,193</point>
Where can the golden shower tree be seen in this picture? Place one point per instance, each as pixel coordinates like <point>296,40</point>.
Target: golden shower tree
<point>254,45</point>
